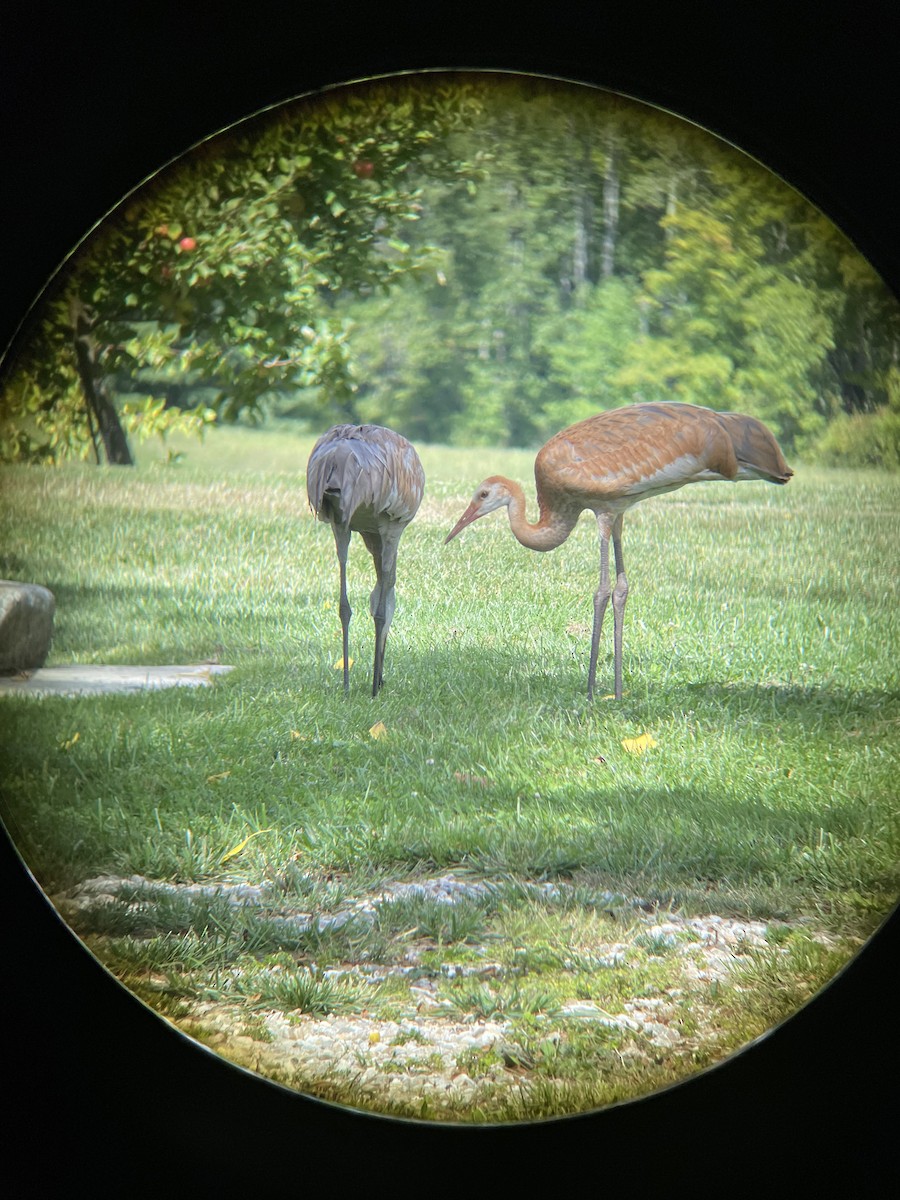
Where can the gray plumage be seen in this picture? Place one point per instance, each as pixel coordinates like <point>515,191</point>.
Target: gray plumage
<point>368,480</point>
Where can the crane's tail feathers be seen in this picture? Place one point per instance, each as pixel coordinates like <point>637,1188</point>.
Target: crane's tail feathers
<point>758,454</point>
<point>337,481</point>
<point>346,472</point>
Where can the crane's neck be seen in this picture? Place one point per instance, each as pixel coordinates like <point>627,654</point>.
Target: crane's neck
<point>551,528</point>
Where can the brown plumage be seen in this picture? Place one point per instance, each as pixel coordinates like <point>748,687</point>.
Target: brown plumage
<point>610,462</point>
<point>368,480</point>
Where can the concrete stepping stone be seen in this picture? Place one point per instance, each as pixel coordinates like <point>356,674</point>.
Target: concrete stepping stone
<point>76,680</point>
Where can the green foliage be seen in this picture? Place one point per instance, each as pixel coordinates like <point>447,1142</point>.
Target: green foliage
<point>151,418</point>
<point>601,253</point>
<point>861,440</point>
<point>491,1003</point>
<point>300,990</point>
<point>443,922</point>
<point>865,439</point>
<point>586,349</point>
<point>472,259</point>
<point>222,272</point>
<point>726,328</point>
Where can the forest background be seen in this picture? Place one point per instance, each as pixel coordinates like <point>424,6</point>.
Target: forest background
<point>471,260</point>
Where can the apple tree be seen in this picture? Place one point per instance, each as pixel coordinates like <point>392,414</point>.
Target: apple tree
<point>213,288</point>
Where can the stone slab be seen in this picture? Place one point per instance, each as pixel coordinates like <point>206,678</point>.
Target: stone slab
<point>75,680</point>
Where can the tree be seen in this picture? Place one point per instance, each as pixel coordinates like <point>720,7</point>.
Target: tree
<point>739,313</point>
<point>599,253</point>
<point>865,439</point>
<point>585,348</point>
<point>224,271</point>
<point>475,259</point>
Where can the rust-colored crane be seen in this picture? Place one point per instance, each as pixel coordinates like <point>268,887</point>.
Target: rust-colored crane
<point>368,480</point>
<point>610,462</point>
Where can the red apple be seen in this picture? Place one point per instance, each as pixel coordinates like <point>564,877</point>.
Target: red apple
<point>364,168</point>
<point>188,243</point>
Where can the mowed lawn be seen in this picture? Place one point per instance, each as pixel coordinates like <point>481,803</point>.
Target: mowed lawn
<point>761,661</point>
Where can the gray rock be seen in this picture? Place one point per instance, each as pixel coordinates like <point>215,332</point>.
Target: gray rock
<point>26,625</point>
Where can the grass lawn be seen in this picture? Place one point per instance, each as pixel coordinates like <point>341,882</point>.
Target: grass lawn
<point>761,658</point>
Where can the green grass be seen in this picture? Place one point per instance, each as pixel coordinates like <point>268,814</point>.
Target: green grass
<point>760,653</point>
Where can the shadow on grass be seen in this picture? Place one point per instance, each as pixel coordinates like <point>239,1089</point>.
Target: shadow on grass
<point>793,700</point>
<point>70,596</point>
<point>504,674</point>
<point>155,624</point>
<point>744,829</point>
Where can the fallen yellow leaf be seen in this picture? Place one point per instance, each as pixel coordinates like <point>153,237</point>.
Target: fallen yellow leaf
<point>339,665</point>
<point>221,775</point>
<point>235,850</point>
<point>374,1037</point>
<point>379,729</point>
<point>70,742</point>
<point>639,744</point>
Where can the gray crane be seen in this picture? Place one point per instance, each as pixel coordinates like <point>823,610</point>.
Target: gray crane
<point>368,480</point>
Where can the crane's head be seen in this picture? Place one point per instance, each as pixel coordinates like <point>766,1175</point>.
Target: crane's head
<point>493,493</point>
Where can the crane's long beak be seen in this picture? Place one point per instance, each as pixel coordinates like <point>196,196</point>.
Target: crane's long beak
<point>471,514</point>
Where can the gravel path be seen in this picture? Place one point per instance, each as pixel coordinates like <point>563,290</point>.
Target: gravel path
<point>423,1055</point>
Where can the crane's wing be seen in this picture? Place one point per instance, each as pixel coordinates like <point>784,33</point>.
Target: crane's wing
<point>635,451</point>
<point>643,449</point>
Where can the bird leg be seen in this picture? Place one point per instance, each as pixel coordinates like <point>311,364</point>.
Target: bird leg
<point>619,596</point>
<point>381,602</point>
<point>601,599</point>
<point>609,527</point>
<point>342,543</point>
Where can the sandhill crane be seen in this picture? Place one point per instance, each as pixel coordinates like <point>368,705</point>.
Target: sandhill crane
<point>368,480</point>
<point>610,462</point>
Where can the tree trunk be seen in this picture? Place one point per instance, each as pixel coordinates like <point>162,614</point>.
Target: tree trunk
<point>610,208</point>
<point>101,413</point>
<point>671,203</point>
<point>580,242</point>
<point>582,209</point>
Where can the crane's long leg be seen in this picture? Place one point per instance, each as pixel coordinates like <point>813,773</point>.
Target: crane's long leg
<point>342,543</point>
<point>609,527</point>
<point>619,596</point>
<point>383,549</point>
<point>601,599</point>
